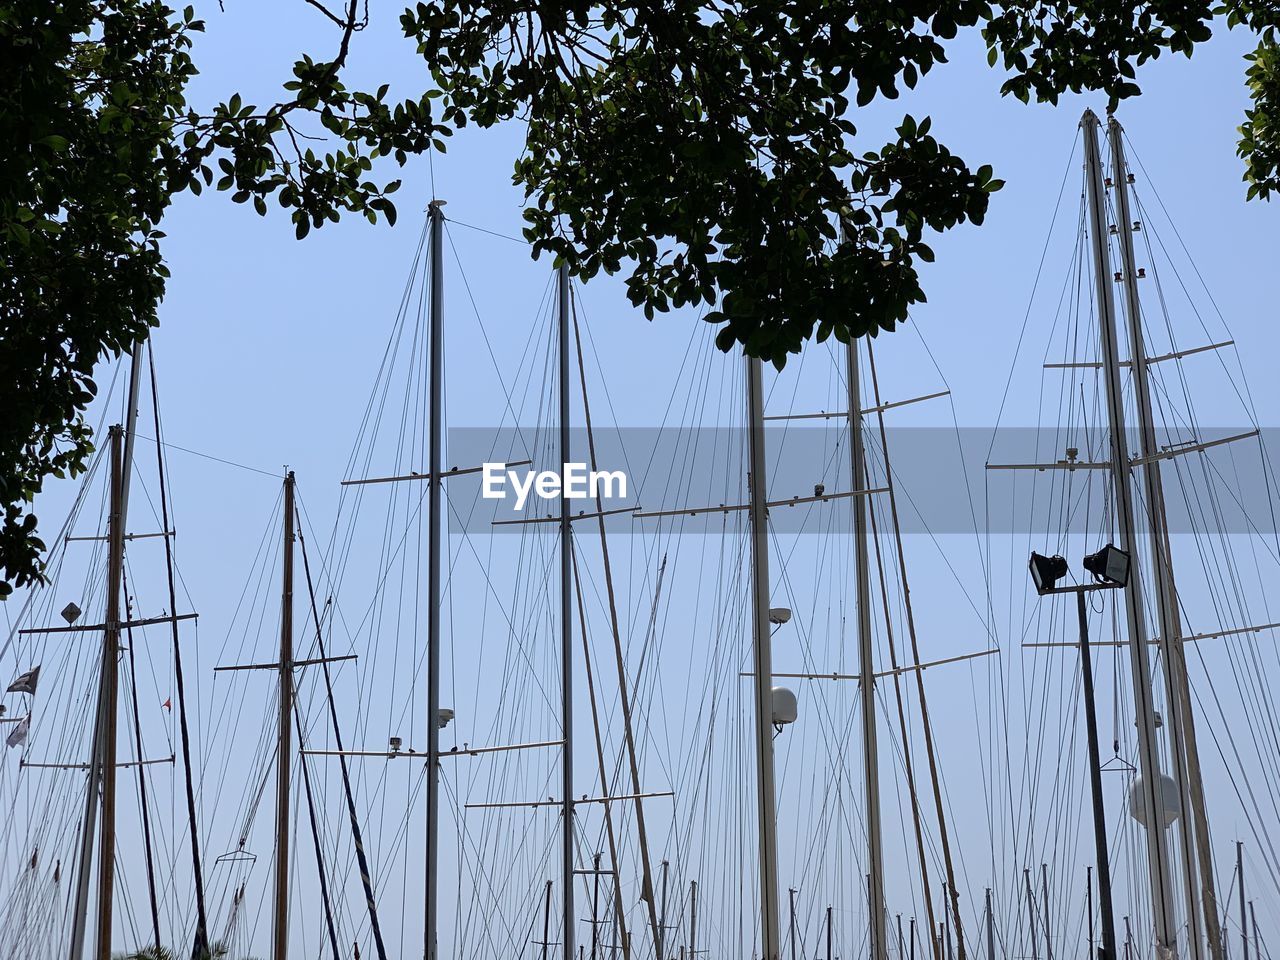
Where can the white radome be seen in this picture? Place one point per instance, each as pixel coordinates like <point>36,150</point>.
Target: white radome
<point>1166,797</point>
<point>785,708</point>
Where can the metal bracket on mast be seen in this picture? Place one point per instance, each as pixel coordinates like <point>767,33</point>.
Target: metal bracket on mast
<point>769,504</point>
<point>895,672</point>
<point>127,536</point>
<point>464,751</point>
<point>292,663</point>
<point>595,515</point>
<point>124,625</point>
<point>844,414</point>
<point>85,766</point>
<point>1176,355</point>
<point>1177,450</point>
<point>444,474</point>
<point>551,802</point>
<point>1056,465</point>
<point>1155,641</point>
<point>1168,453</point>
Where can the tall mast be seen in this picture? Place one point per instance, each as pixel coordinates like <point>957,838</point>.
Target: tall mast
<point>1031,913</point>
<point>866,664</point>
<point>1148,757</point>
<point>1185,753</point>
<point>130,428</point>
<point>693,920</point>
<point>991,931</point>
<point>121,471</point>
<point>201,946</point>
<point>105,737</point>
<point>1047,921</point>
<point>762,666</point>
<point>280,931</point>
<point>791,923</point>
<point>1244,929</point>
<point>435,521</point>
<point>566,627</point>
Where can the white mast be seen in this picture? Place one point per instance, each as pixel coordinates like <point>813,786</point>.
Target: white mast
<point>284,735</point>
<point>1185,754</point>
<point>866,665</point>
<point>1148,756</point>
<point>762,665</point>
<point>107,700</point>
<point>121,474</point>
<point>566,627</point>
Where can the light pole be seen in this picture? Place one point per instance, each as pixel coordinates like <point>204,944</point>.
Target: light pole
<point>1110,569</point>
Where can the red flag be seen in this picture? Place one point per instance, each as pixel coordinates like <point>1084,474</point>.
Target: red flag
<point>168,705</point>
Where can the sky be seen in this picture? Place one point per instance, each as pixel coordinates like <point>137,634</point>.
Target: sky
<point>268,347</point>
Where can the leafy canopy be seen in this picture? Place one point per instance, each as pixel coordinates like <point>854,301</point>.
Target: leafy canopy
<point>708,151</point>
<point>88,96</point>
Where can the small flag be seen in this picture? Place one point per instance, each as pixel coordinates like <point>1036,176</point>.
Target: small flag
<point>19,735</point>
<point>168,704</point>
<point>25,683</point>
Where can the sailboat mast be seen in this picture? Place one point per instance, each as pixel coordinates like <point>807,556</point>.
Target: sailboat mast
<point>121,469</point>
<point>280,931</point>
<point>991,931</point>
<point>791,924</point>
<point>866,664</point>
<point>566,626</point>
<point>763,665</point>
<point>435,521</point>
<point>1148,756</point>
<point>80,907</point>
<point>130,427</point>
<point>1186,755</point>
<point>108,698</point>
<point>1047,920</point>
<point>1244,926</point>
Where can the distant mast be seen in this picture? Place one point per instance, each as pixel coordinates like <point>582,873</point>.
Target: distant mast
<point>1148,749</point>
<point>566,624</point>
<point>866,665</point>
<point>762,665</point>
<point>1184,751</point>
<point>435,523</point>
<point>284,734</point>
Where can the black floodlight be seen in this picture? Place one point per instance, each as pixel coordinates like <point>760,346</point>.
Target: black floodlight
<point>1109,565</point>
<point>1046,572</point>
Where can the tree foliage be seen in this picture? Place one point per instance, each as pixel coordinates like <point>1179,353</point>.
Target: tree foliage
<point>1260,134</point>
<point>88,91</point>
<point>707,151</point>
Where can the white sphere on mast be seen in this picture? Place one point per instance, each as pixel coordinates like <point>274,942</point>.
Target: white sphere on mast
<point>785,707</point>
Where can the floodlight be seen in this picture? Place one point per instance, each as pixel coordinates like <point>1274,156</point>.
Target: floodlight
<point>1109,565</point>
<point>1046,571</point>
<point>779,615</point>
